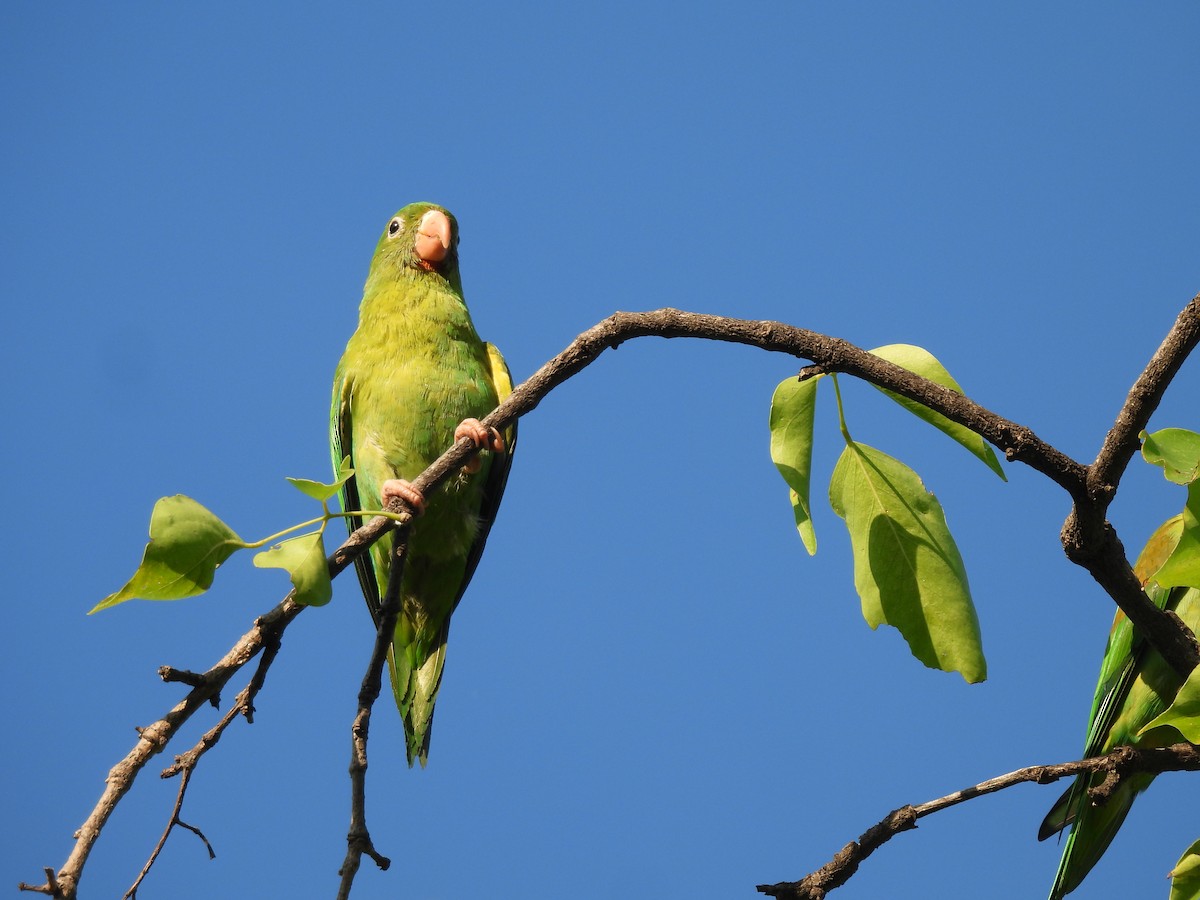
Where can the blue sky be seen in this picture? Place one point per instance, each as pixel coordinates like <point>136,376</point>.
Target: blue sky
<point>651,690</point>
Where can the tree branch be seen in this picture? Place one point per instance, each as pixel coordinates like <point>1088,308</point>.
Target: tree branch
<point>833,354</point>
<point>1119,764</point>
<point>1087,538</point>
<point>162,841</point>
<point>358,838</point>
<point>154,738</point>
<point>1122,441</point>
<point>185,764</point>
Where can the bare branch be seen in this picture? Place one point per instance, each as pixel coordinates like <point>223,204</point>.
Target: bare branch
<point>51,887</point>
<point>186,763</point>
<point>1119,764</point>
<point>1121,442</point>
<point>154,738</point>
<point>162,841</point>
<point>191,679</point>
<point>1088,538</point>
<point>358,838</point>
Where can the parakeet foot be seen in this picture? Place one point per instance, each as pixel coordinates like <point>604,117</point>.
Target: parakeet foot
<point>398,487</point>
<point>483,437</point>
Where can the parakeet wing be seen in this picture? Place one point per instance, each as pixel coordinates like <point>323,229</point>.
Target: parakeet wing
<point>497,476</point>
<point>341,445</point>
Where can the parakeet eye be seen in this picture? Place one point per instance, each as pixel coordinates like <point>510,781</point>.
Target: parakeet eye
<point>395,227</point>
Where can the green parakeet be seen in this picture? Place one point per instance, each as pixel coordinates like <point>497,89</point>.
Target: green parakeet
<point>412,372</point>
<point>1135,686</point>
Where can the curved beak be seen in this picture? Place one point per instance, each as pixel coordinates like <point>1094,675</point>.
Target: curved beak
<point>433,237</point>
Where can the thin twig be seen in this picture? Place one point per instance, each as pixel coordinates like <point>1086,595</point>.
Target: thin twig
<point>191,679</point>
<point>51,887</point>
<point>212,854</point>
<point>266,632</point>
<point>154,738</point>
<point>1120,763</point>
<point>185,763</point>
<point>358,838</point>
<point>162,841</point>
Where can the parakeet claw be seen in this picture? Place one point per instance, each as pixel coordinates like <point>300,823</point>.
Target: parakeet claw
<point>398,487</point>
<point>483,437</point>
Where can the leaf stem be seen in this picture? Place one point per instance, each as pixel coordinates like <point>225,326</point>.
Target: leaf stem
<point>254,545</point>
<point>837,392</point>
<point>365,514</point>
<point>323,519</point>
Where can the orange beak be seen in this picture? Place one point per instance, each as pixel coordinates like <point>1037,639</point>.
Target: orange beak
<point>433,237</point>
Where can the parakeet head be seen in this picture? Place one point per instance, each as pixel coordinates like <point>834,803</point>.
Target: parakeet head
<point>422,237</point>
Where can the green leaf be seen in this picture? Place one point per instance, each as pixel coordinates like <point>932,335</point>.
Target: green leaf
<point>304,559</point>
<point>1184,712</point>
<point>907,568</point>
<point>1177,450</point>
<point>187,544</point>
<point>792,411</point>
<point>921,362</point>
<point>1185,877</point>
<point>1182,567</point>
<point>319,490</point>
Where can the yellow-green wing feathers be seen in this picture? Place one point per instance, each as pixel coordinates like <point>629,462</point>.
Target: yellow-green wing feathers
<point>341,446</point>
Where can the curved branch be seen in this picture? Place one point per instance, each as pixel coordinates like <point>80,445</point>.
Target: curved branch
<point>833,354</point>
<point>1119,764</point>
<point>1088,539</point>
<point>1095,547</point>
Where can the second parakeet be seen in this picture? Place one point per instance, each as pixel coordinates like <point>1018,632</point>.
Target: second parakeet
<point>1135,686</point>
<point>415,377</point>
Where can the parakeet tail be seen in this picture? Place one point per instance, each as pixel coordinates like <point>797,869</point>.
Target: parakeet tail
<point>1093,829</point>
<point>415,683</point>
